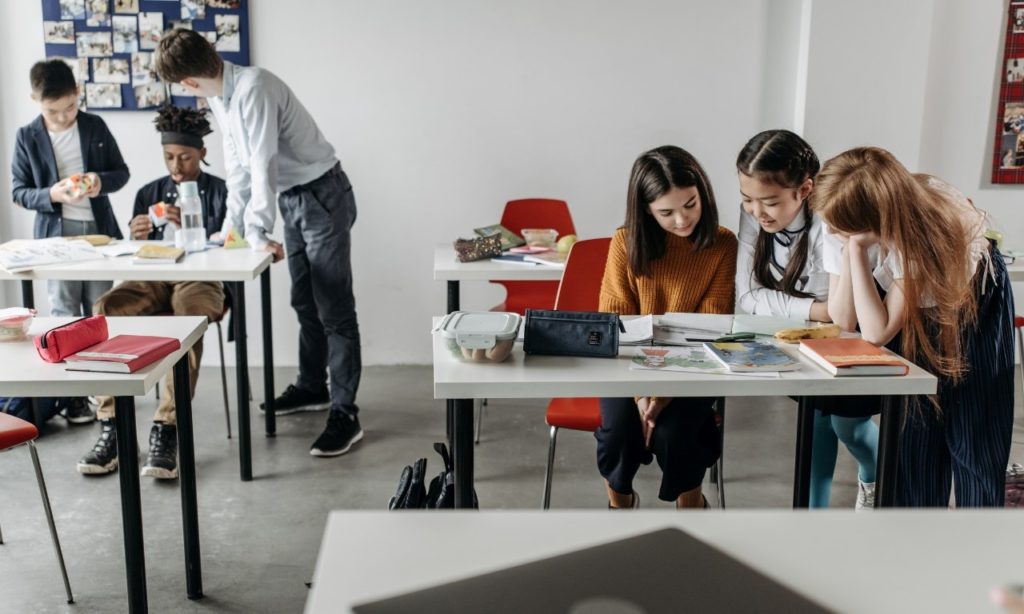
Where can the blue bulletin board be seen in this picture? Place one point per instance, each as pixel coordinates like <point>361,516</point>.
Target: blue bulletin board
<point>109,45</point>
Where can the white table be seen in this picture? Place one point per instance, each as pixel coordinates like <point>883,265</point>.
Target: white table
<point>24,373</point>
<point>448,268</point>
<point>524,376</point>
<point>234,267</point>
<point>933,561</point>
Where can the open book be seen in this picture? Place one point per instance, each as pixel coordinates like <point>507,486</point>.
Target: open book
<point>23,254</point>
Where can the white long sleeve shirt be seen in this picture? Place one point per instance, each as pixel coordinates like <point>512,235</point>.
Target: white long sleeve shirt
<point>271,144</point>
<point>754,298</point>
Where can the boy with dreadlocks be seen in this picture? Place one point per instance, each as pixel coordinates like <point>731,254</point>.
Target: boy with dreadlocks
<point>181,134</point>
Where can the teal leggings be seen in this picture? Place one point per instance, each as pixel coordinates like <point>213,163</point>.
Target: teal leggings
<point>860,435</point>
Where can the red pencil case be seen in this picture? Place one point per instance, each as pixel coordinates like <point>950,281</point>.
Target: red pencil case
<point>62,341</point>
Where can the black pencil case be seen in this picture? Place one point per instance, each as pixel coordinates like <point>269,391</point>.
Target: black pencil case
<point>571,333</point>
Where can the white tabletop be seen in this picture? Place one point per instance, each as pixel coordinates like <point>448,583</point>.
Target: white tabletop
<point>215,264</point>
<point>24,373</point>
<point>448,268</point>
<point>524,377</point>
<point>885,561</point>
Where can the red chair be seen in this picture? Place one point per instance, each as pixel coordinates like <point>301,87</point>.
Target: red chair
<point>533,213</point>
<point>523,295</point>
<point>580,290</point>
<point>15,432</point>
<point>1018,324</point>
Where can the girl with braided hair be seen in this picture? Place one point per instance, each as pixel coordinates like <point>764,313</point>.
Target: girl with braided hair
<point>780,272</point>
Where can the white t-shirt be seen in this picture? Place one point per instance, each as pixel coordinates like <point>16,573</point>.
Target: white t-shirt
<point>67,149</point>
<point>754,298</point>
<point>888,267</point>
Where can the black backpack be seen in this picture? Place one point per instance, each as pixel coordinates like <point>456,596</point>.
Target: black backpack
<point>411,493</point>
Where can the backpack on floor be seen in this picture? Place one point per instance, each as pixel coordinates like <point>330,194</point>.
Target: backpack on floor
<point>411,493</point>
<point>21,407</point>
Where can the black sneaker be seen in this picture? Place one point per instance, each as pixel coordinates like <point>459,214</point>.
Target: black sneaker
<point>162,461</point>
<point>102,458</point>
<point>341,433</point>
<point>294,400</point>
<point>78,411</point>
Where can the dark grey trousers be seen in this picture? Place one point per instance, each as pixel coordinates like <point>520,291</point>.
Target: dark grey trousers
<point>318,217</point>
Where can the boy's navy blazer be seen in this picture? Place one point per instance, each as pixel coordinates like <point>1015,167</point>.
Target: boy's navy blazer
<point>34,170</point>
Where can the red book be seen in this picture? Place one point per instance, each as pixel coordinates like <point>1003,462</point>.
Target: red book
<point>122,354</point>
<point>852,356</point>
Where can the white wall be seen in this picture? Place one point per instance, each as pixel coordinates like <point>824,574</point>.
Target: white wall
<point>443,111</point>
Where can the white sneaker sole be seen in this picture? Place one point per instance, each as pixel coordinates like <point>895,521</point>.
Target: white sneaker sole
<point>160,473</point>
<point>85,469</point>
<point>81,419</point>
<point>295,410</point>
<point>329,453</point>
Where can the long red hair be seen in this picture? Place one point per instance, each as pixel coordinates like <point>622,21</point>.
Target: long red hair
<point>867,189</point>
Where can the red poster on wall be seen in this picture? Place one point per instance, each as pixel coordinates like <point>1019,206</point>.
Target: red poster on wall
<point>1008,158</point>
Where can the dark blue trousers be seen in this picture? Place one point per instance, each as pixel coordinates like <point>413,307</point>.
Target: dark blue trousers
<point>969,439</point>
<point>685,441</point>
<point>318,218</point>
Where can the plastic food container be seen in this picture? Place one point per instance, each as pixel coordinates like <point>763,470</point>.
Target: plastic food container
<point>540,237</point>
<point>15,322</point>
<point>480,336</point>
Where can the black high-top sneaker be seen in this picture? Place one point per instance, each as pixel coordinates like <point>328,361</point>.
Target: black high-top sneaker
<point>162,461</point>
<point>102,458</point>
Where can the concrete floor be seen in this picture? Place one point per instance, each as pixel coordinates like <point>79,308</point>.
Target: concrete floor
<point>260,539</point>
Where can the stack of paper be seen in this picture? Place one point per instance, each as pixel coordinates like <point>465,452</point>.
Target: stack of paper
<point>23,255</point>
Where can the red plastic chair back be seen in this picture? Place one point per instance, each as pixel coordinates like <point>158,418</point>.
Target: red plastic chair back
<point>533,213</point>
<point>538,213</point>
<point>580,290</point>
<point>15,431</point>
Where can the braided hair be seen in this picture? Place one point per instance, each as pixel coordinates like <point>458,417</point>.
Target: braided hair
<point>781,158</point>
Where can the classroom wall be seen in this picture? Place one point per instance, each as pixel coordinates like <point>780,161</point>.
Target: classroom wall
<point>441,112</point>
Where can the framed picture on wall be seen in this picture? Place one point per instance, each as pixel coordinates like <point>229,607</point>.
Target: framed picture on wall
<point>109,44</point>
<point>1008,157</point>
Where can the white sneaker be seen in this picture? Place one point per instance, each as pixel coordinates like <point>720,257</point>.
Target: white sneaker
<point>865,496</point>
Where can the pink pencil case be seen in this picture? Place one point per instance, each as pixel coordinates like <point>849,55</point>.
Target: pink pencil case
<point>62,341</point>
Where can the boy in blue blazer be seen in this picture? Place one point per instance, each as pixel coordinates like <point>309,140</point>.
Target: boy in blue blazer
<point>58,147</point>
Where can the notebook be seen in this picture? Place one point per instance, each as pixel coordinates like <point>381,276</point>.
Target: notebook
<point>846,357</point>
<point>661,572</point>
<point>741,356</point>
<point>122,354</point>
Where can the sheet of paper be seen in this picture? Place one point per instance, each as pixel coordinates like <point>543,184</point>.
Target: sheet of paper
<point>763,325</point>
<point>638,330</point>
<point>686,359</point>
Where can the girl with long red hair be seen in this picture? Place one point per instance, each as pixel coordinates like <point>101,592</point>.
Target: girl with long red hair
<point>911,266</point>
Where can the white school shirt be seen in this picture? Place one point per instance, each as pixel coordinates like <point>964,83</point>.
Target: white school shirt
<point>67,150</point>
<point>754,298</point>
<point>888,267</point>
<point>271,144</point>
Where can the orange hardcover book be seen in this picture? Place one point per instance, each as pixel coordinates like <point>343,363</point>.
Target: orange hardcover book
<point>844,357</point>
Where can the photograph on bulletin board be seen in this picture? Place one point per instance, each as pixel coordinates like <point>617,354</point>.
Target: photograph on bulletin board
<point>109,45</point>
<point>1008,158</point>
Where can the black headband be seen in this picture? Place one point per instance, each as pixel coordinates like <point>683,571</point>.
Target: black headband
<point>181,138</point>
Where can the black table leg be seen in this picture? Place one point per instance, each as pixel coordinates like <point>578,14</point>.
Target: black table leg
<point>804,447</point>
<point>242,381</point>
<point>131,503</point>
<point>268,355</point>
<point>462,452</point>
<point>453,305</point>
<point>187,479</point>
<point>888,451</point>
<point>28,297</point>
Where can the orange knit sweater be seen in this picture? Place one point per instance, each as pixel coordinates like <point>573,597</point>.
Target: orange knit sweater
<point>680,281</point>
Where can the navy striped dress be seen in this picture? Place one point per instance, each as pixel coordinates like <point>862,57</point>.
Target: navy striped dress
<point>968,441</point>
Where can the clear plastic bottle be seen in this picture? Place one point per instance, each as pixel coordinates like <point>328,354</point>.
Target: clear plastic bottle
<point>192,235</point>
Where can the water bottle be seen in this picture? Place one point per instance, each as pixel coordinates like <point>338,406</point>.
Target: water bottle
<point>192,235</point>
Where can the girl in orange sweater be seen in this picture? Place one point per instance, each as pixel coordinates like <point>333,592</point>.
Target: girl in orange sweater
<point>671,255</point>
